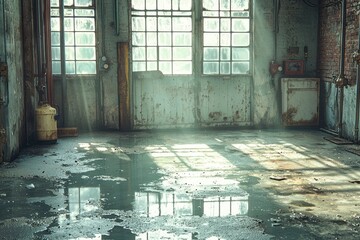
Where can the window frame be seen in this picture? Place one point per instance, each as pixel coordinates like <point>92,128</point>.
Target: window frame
<point>173,14</point>
<point>197,44</point>
<point>93,46</point>
<point>250,45</point>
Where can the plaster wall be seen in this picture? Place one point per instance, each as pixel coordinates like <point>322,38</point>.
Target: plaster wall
<point>163,102</point>
<point>14,106</point>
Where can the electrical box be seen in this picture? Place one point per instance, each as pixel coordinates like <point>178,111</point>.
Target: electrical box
<point>300,101</point>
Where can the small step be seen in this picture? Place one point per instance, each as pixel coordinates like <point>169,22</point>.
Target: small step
<point>67,132</point>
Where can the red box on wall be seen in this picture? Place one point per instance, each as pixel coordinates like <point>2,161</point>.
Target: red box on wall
<point>294,67</point>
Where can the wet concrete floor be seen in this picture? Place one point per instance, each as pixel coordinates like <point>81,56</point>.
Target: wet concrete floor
<point>185,185</point>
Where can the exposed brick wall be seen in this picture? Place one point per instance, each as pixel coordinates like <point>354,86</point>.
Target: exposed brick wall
<point>330,39</point>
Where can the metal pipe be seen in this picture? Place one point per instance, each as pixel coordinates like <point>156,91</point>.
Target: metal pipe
<point>116,17</point>
<point>342,66</point>
<point>357,110</point>
<point>63,65</point>
<point>48,64</point>
<point>3,58</point>
<point>41,85</point>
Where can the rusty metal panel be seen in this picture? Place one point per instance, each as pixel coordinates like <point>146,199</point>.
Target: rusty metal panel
<point>162,101</point>
<point>225,102</point>
<point>300,101</point>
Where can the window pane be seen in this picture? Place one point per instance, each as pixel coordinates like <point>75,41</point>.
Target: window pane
<point>182,53</point>
<point>55,12</point>
<point>150,4</point>
<point>55,38</point>
<point>165,67</point>
<point>69,53</point>
<point>211,4</point>
<point>138,4</point>
<point>70,67</point>
<point>56,67</point>
<point>239,4</point>
<point>151,24</point>
<point>151,53</point>
<point>85,53</point>
<point>225,25</point>
<point>240,39</point>
<point>68,24</point>
<point>164,4</point>
<point>69,38</point>
<point>151,39</point>
<point>55,24</point>
<point>240,54</point>
<point>138,24</point>
<point>139,66</point>
<point>225,53</point>
<point>182,67</point>
<point>55,53</point>
<point>211,24</point>
<point>211,39</point>
<point>181,4</point>
<point>84,12</point>
<point>85,38</point>
<point>225,68</point>
<point>151,66</point>
<point>211,68</point>
<point>224,4</point>
<point>225,39</point>
<point>138,53</point>
<point>240,25</point>
<point>68,12</point>
<point>165,53</point>
<point>85,24</point>
<point>54,3</point>
<point>182,39</point>
<point>86,67</point>
<point>68,2</point>
<point>138,39</point>
<point>164,24</point>
<point>164,39</point>
<point>181,24</point>
<point>240,68</point>
<point>211,53</point>
<point>83,3</point>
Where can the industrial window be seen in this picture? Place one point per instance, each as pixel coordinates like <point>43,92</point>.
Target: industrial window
<point>162,36</point>
<point>226,37</point>
<point>162,33</point>
<point>79,36</point>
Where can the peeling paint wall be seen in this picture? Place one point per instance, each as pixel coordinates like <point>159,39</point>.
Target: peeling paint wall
<point>192,101</point>
<point>14,111</point>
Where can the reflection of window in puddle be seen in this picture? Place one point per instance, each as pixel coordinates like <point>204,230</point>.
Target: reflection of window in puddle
<point>163,235</point>
<point>97,237</point>
<point>82,200</point>
<point>152,204</point>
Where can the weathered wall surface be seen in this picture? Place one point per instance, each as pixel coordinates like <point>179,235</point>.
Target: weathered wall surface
<point>163,102</point>
<point>329,65</point>
<point>14,109</point>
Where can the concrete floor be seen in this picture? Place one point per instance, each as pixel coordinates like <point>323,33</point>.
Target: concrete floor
<point>184,185</point>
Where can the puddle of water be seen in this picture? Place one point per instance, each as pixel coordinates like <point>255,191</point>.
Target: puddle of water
<point>143,192</point>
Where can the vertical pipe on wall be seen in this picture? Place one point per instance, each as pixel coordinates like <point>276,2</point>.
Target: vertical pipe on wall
<point>357,110</point>
<point>48,64</point>
<point>342,66</point>
<point>63,65</point>
<point>40,51</point>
